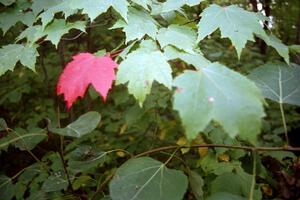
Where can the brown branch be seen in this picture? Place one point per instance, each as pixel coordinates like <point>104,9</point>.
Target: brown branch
<point>246,148</point>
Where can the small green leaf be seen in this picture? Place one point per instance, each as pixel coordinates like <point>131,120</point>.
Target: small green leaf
<point>83,125</point>
<point>196,183</point>
<point>218,93</point>
<point>40,5</point>
<point>53,31</point>
<point>140,23</point>
<point>171,5</point>
<point>182,37</point>
<point>239,184</point>
<point>234,23</point>
<point>7,2</point>
<point>10,16</point>
<point>12,53</point>
<point>280,155</point>
<point>81,181</point>
<point>85,158</point>
<point>278,82</point>
<point>94,8</point>
<point>141,68</point>
<point>55,182</point>
<point>61,6</point>
<point>6,188</point>
<point>3,125</point>
<point>145,178</point>
<point>196,58</point>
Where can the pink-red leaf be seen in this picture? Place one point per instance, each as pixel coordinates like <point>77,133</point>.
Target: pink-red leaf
<point>85,69</point>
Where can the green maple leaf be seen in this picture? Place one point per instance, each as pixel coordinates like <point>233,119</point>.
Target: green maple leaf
<point>274,42</point>
<point>141,68</point>
<point>63,6</point>
<point>140,23</point>
<point>147,179</point>
<point>181,37</point>
<point>7,2</point>
<point>196,58</point>
<point>10,16</point>
<point>234,23</point>
<point>171,5</point>
<point>94,8</point>
<point>53,31</point>
<point>40,5</point>
<point>220,94</point>
<point>11,54</point>
<point>278,82</point>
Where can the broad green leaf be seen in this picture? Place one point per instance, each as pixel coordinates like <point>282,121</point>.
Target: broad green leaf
<point>29,143</point>
<point>196,183</point>
<point>182,37</point>
<point>239,184</point>
<point>141,68</point>
<point>278,82</point>
<point>6,188</point>
<point>274,42</point>
<point>85,124</point>
<point>94,8</point>
<point>225,196</point>
<point>146,178</point>
<point>12,53</point>
<point>140,23</point>
<point>23,140</point>
<point>53,31</point>
<point>234,23</point>
<point>217,93</point>
<point>40,5</point>
<point>63,6</point>
<point>196,59</point>
<point>7,2</point>
<point>171,5</point>
<point>10,16</point>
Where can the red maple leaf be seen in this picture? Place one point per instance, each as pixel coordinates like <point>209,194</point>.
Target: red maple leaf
<point>85,69</point>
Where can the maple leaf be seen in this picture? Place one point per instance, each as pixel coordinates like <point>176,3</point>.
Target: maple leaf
<point>83,70</point>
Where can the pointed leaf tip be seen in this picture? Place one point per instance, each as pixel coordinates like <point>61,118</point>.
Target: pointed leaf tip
<point>83,70</point>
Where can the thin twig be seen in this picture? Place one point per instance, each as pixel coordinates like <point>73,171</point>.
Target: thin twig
<point>246,148</point>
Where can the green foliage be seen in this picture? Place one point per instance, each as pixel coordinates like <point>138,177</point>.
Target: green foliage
<point>151,65</point>
<point>215,88</point>
<point>83,125</point>
<point>12,53</point>
<point>182,103</point>
<point>145,178</point>
<point>278,82</point>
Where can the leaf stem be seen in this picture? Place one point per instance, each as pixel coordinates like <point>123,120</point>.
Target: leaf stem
<point>284,123</point>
